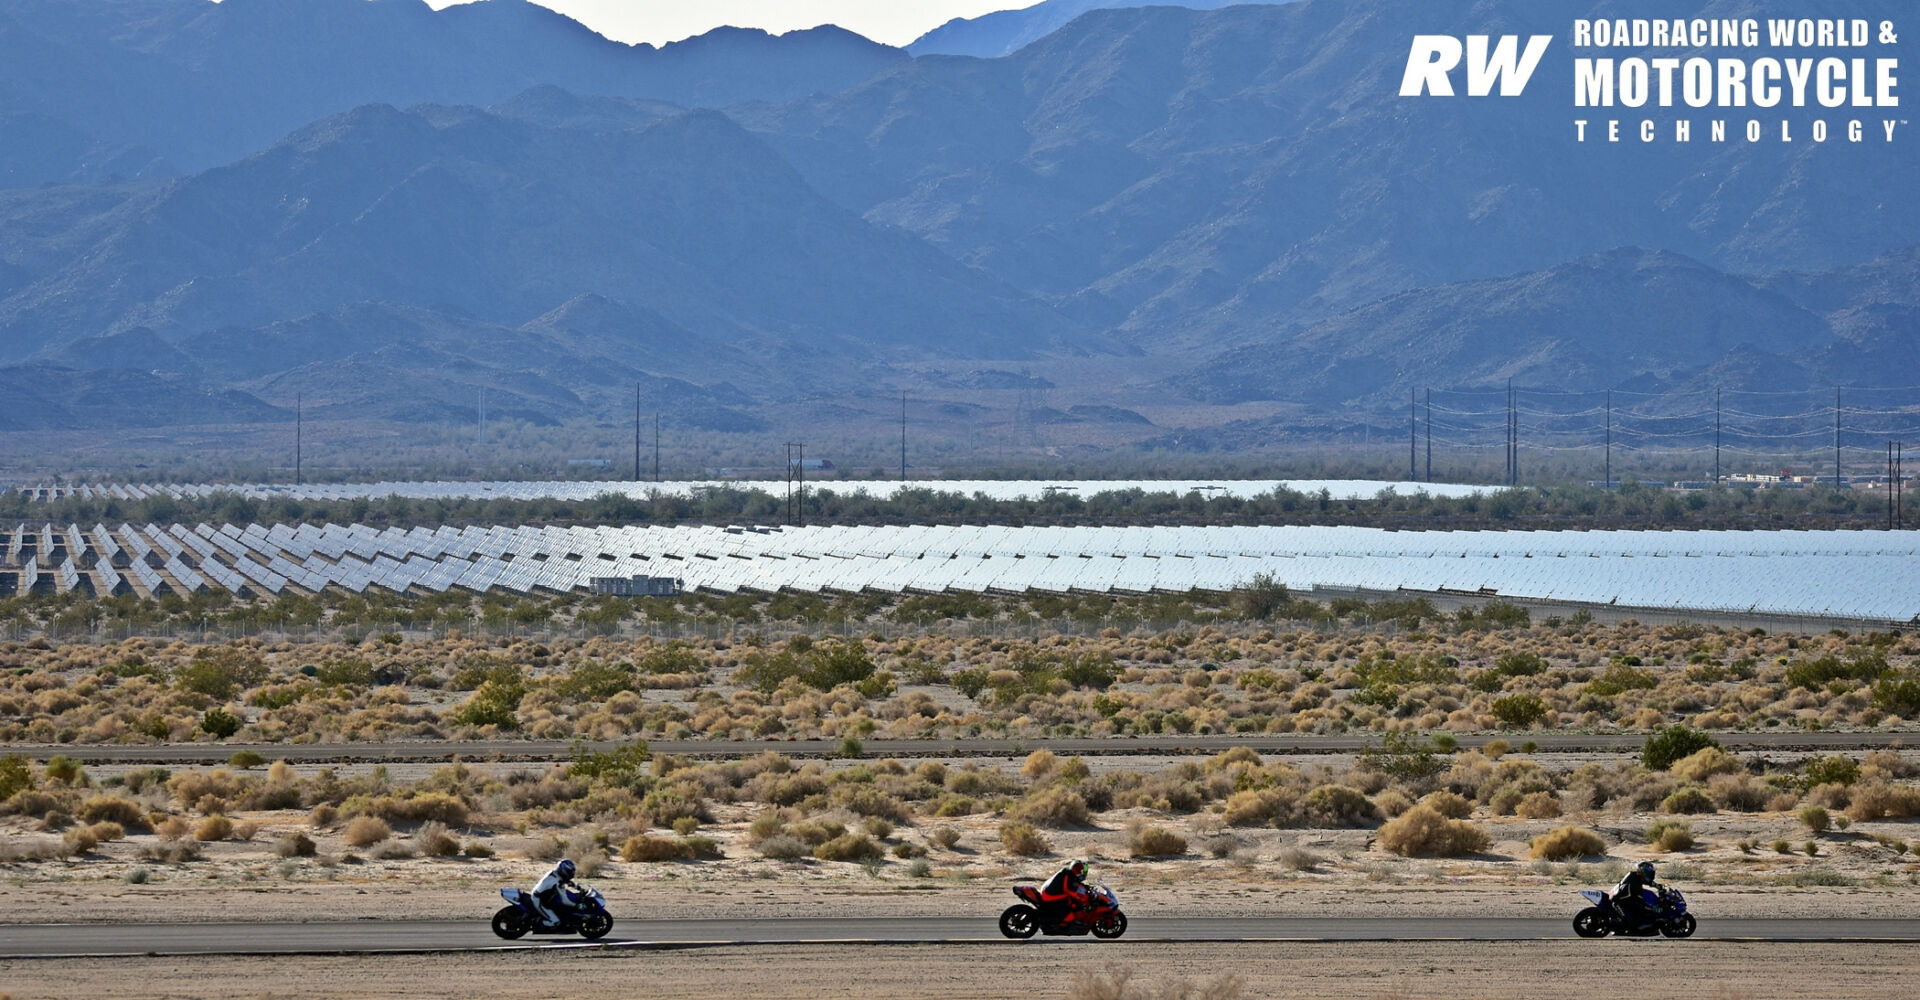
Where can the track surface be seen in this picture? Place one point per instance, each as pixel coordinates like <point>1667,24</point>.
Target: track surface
<point>372,936</point>
<point>538,750</point>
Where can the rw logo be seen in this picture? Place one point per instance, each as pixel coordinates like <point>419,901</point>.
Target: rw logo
<point>1434,56</point>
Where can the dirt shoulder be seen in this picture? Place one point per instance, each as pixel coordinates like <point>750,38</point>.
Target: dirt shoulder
<point>1075,970</point>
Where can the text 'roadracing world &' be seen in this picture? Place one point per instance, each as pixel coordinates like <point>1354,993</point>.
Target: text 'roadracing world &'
<point>1742,76</point>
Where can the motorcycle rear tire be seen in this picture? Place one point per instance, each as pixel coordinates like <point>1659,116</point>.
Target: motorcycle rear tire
<point>1679,928</point>
<point>1019,921</point>
<point>1110,925</point>
<point>510,923</point>
<point>1590,923</point>
<point>595,926</point>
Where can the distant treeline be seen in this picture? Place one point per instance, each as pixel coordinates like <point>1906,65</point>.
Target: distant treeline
<point>1582,507</point>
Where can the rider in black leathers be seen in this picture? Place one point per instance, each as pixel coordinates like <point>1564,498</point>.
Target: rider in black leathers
<point>1629,898</point>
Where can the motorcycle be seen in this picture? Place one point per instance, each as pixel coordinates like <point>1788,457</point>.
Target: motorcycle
<point>1101,917</point>
<point>585,915</point>
<point>1668,909</point>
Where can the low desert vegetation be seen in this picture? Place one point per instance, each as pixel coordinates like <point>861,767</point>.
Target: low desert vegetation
<point>959,665</point>
<point>1417,683</point>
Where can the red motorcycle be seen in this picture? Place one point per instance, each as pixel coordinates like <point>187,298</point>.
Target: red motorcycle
<point>1101,917</point>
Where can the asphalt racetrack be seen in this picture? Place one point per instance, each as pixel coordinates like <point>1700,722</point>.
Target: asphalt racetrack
<point>377,936</point>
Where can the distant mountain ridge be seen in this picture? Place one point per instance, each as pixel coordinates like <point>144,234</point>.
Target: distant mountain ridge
<point>1218,207</point>
<point>1005,32</point>
<point>190,84</point>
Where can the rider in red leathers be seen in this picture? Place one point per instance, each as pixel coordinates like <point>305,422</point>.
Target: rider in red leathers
<point>1065,893</point>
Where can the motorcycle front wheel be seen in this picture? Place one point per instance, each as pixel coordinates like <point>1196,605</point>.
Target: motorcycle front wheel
<point>595,926</point>
<point>1110,925</point>
<point>510,923</point>
<point>1020,921</point>
<point>1679,928</point>
<point>1590,923</point>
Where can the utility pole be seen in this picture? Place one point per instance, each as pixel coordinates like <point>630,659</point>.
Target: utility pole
<point>796,474</point>
<point>636,432</point>
<point>1513,438</point>
<point>1413,435</point>
<point>1836,437</point>
<point>1429,435</point>
<point>656,446</point>
<point>1889,485</point>
<point>903,435</point>
<point>1716,437</point>
<point>298,429</point>
<point>1608,468</point>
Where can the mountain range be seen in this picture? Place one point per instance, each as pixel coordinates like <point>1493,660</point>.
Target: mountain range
<point>1151,210</point>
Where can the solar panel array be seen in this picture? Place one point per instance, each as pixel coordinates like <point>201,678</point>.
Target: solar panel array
<point>1871,575</point>
<point>577,490</point>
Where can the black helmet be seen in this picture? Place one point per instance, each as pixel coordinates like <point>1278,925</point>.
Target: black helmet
<point>1646,870</point>
<point>565,868</point>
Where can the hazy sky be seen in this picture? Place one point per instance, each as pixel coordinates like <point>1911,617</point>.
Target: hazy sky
<point>895,22</point>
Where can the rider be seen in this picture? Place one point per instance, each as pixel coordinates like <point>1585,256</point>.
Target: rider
<point>1064,893</point>
<point>548,896</point>
<point>1628,895</point>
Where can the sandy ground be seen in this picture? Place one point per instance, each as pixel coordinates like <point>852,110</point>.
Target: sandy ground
<point>1073,970</point>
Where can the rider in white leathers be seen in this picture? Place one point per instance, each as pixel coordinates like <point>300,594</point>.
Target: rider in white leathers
<point>548,897</point>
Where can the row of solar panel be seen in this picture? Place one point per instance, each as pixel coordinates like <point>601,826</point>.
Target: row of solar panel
<point>578,490</point>
<point>1850,574</point>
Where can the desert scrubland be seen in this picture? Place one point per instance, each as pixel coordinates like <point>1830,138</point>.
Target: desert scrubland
<point>1416,823</point>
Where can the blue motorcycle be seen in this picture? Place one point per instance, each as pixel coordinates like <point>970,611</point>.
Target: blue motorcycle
<point>585,914</point>
<point>1666,908</point>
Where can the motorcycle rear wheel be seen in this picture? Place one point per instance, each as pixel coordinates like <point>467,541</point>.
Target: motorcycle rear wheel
<point>595,926</point>
<point>1680,928</point>
<point>1019,921</point>
<point>510,923</point>
<point>1590,923</point>
<point>1110,925</point>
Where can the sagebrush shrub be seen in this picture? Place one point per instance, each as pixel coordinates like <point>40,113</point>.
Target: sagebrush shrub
<point>1670,835</point>
<point>1338,805</point>
<point>944,837</point>
<point>643,848</point>
<point>1879,800</point>
<point>1688,801</point>
<point>1054,806</point>
<point>1155,842</point>
<point>1423,833</point>
<point>1022,839</point>
<point>362,831</point>
<point>433,840</point>
<point>783,847</point>
<point>1260,807</point>
<point>113,809</point>
<point>1448,804</point>
<point>1568,842</point>
<point>1538,805</point>
<point>213,828</point>
<point>849,847</point>
<point>1700,765</point>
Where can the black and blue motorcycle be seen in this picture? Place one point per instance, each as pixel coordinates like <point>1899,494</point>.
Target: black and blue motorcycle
<point>1667,910</point>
